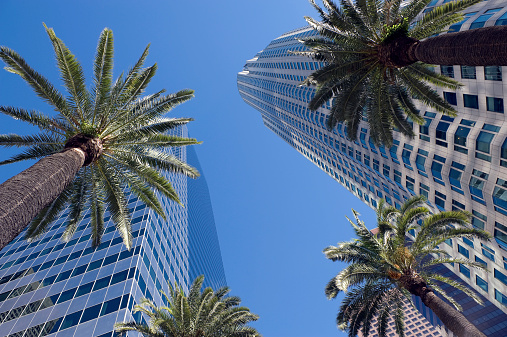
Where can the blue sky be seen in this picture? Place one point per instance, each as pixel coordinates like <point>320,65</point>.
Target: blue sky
<point>275,211</point>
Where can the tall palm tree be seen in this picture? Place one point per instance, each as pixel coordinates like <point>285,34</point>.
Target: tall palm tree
<point>385,268</point>
<point>200,314</point>
<point>377,55</point>
<point>101,143</point>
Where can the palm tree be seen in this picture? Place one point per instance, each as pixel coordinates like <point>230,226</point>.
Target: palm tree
<point>102,143</point>
<point>385,268</point>
<point>377,55</point>
<point>200,314</point>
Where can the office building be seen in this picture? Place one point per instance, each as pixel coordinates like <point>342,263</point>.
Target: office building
<point>51,288</point>
<point>457,163</point>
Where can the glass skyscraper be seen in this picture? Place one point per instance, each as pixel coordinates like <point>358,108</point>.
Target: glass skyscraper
<point>457,163</point>
<point>51,288</point>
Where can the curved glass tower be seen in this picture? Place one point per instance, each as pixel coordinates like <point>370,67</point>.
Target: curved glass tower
<point>51,288</point>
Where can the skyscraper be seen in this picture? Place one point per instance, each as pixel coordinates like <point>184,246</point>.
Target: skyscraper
<point>457,163</point>
<point>51,288</point>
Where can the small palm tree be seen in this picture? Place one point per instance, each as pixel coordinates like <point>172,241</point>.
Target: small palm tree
<point>200,314</point>
<point>386,268</point>
<point>102,143</point>
<point>375,53</point>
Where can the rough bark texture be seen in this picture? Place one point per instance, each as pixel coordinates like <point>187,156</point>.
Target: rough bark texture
<point>23,196</point>
<point>396,54</point>
<point>477,47</point>
<point>452,319</point>
<point>92,147</point>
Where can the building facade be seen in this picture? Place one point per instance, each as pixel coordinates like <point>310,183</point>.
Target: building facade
<point>457,163</point>
<point>52,288</point>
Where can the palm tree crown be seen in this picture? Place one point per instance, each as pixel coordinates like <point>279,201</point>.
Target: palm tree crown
<point>200,314</point>
<point>371,70</point>
<point>122,134</point>
<point>385,268</point>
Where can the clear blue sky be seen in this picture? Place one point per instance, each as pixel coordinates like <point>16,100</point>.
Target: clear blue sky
<point>275,211</point>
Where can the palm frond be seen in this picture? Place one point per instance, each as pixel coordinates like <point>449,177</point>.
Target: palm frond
<point>36,118</point>
<point>116,202</point>
<point>72,75</point>
<point>103,68</point>
<point>42,87</point>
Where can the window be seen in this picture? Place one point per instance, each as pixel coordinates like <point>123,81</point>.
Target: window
<point>500,276</point>
<point>460,136</point>
<point>476,185</point>
<point>91,313</point>
<point>423,191</point>
<point>493,73</point>
<point>468,72</point>
<point>410,184</point>
<point>464,270</point>
<point>500,297</point>
<point>397,177</point>
<point>468,242</point>
<point>456,27</point>
<point>71,320</point>
<point>441,132</point>
<point>481,20</point>
<point>482,144</point>
<point>450,97</point>
<point>447,71</point>
<point>405,155</point>
<point>502,21</point>
<point>424,129</point>
<point>471,101</point>
<point>394,157</point>
<point>478,219</point>
<point>440,200</point>
<point>503,154</point>
<point>481,283</point>
<point>420,160</point>
<point>455,175</point>
<point>500,234</point>
<point>478,259</point>
<point>436,171</point>
<point>488,252</point>
<point>494,104</point>
<point>463,251</point>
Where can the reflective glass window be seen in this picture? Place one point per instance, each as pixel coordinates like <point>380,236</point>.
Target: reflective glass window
<point>476,185</point>
<point>481,283</point>
<point>436,170</point>
<point>460,136</point>
<point>451,98</point>
<point>481,20</point>
<point>493,73</point>
<point>456,27</point>
<point>494,104</point>
<point>483,142</point>
<point>471,101</point>
<point>455,177</point>
<point>442,130</point>
<point>91,313</point>
<point>447,71</point>
<point>468,72</point>
<point>71,320</point>
<point>502,20</point>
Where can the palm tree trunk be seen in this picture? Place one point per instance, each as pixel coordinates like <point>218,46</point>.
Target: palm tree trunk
<point>452,318</point>
<point>23,196</point>
<point>477,47</point>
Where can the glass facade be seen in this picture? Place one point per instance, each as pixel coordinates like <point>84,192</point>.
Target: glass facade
<point>52,288</point>
<point>455,162</point>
